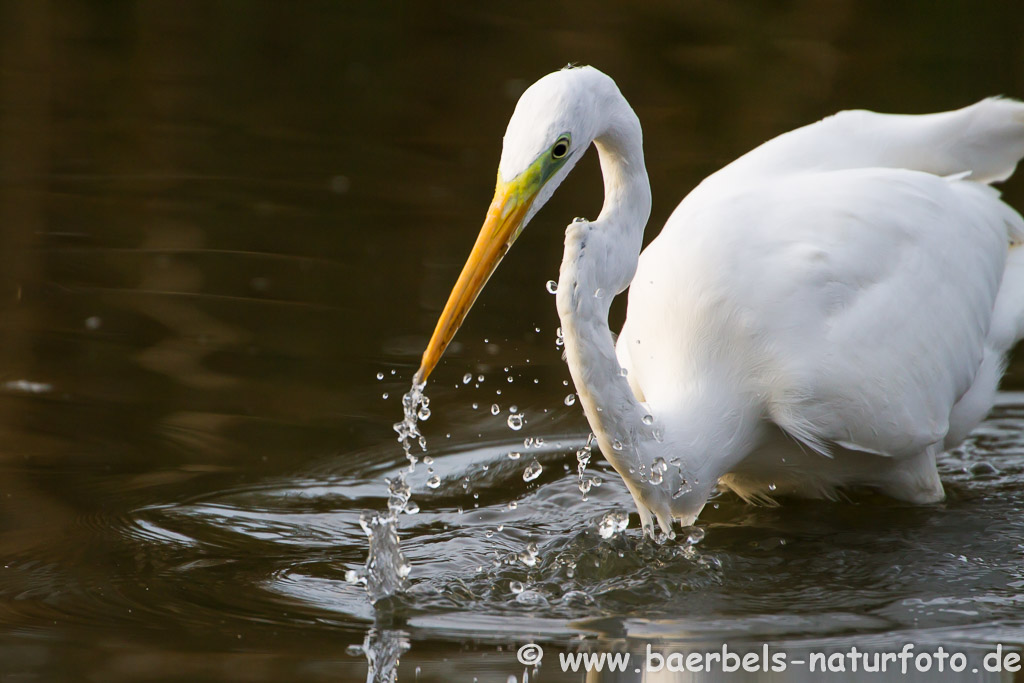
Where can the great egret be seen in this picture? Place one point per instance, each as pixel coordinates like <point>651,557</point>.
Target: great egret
<point>832,309</point>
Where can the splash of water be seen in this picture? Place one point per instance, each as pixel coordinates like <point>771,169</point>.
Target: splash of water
<point>386,571</point>
<point>582,460</point>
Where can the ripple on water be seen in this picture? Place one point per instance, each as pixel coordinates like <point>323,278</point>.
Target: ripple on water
<point>867,564</point>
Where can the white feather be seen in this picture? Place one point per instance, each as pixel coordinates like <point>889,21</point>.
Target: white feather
<point>832,309</point>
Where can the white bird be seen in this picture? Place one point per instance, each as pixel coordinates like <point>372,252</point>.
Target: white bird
<point>832,309</point>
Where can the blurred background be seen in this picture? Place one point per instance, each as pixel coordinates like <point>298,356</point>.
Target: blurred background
<point>219,221</point>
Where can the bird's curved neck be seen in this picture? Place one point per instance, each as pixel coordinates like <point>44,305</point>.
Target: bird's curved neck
<point>627,194</point>
<point>599,262</point>
<point>601,256</point>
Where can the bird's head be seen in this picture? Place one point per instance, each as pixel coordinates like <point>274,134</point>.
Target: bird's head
<point>555,121</point>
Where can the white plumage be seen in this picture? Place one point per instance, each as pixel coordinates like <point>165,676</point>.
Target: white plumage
<point>832,309</point>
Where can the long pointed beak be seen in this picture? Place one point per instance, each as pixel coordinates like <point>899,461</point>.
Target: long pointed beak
<point>501,227</point>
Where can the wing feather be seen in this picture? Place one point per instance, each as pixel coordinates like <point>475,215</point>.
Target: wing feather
<point>851,305</point>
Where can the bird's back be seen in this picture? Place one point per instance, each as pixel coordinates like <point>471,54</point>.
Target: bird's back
<point>847,277</point>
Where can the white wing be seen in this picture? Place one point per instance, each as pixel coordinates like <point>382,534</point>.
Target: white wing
<point>848,304</point>
<point>985,140</point>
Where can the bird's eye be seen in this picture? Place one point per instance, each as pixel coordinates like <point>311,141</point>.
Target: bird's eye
<point>560,149</point>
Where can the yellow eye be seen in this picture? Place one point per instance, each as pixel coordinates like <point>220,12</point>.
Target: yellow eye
<point>560,149</point>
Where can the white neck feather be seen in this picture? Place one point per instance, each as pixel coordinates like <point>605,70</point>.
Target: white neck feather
<point>599,262</point>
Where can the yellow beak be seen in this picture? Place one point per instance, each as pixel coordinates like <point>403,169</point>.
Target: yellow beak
<point>502,226</point>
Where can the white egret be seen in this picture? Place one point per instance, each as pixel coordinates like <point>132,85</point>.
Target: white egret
<point>832,309</point>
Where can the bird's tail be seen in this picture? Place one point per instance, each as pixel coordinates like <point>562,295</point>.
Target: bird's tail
<point>983,142</point>
<point>985,139</point>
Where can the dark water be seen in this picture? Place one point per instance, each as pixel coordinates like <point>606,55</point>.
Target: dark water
<point>219,221</point>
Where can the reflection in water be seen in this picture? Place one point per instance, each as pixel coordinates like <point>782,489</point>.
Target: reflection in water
<point>383,648</point>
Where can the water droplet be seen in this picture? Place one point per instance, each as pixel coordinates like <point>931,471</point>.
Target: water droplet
<point>384,395</point>
<point>532,470</point>
<point>380,375</point>
<point>772,486</point>
<point>467,378</point>
<point>551,286</point>
<point>647,419</point>
<point>982,469</point>
<point>427,460</point>
<point>695,536</point>
<point>512,505</point>
<point>398,494</point>
<point>479,378</point>
<point>598,293</point>
<point>612,523</point>
<point>434,482</point>
<point>529,556</point>
<point>616,445</point>
<point>515,421</point>
<point>510,380</point>
<point>570,399</point>
<point>423,413</point>
<point>576,597</point>
<point>514,455</point>
<point>559,338</point>
<point>476,406</point>
<point>516,587</point>
<point>658,468</point>
<point>684,488</point>
<point>495,409</point>
<point>412,508</point>
<point>531,597</point>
